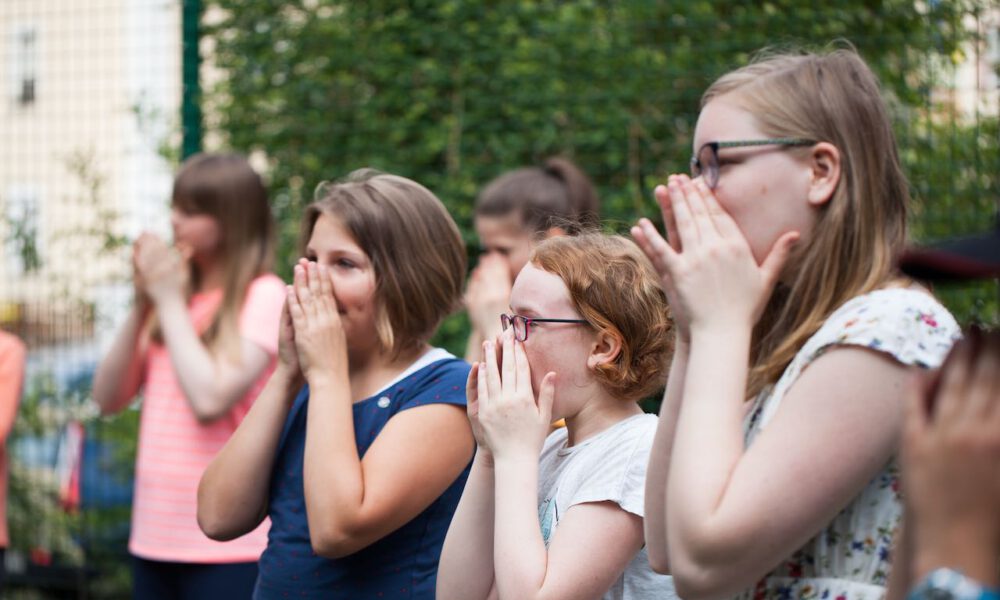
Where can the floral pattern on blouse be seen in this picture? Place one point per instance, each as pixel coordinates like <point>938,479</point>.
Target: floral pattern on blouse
<point>849,558</point>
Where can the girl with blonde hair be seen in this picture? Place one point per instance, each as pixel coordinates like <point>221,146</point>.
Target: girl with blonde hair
<point>200,342</point>
<point>774,473</point>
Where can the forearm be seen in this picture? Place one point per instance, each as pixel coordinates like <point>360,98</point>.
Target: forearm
<point>119,374</point>
<point>655,523</point>
<point>708,445</point>
<point>197,370</point>
<point>334,480</point>
<point>901,575</point>
<point>520,556</point>
<point>466,567</point>
<point>233,493</point>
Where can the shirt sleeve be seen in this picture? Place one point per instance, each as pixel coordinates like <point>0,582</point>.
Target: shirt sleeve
<point>908,325</point>
<point>619,472</point>
<point>260,318</point>
<point>12,359</point>
<point>445,384</point>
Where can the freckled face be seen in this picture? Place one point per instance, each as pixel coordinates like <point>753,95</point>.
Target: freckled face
<point>559,347</point>
<point>506,237</point>
<point>763,188</point>
<point>352,275</point>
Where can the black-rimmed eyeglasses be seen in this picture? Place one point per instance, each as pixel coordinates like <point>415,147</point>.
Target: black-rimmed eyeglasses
<point>521,324</point>
<point>706,162</point>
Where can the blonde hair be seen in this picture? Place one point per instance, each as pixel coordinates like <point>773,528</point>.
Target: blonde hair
<point>415,247</point>
<point>831,97</point>
<point>226,188</point>
<point>616,290</point>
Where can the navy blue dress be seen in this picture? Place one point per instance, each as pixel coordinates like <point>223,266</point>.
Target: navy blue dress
<point>404,563</point>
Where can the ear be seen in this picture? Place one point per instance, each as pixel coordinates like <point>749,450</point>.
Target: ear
<point>824,162</point>
<point>605,349</point>
<point>554,232</point>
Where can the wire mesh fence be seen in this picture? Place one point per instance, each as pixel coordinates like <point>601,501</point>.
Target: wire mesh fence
<point>96,103</point>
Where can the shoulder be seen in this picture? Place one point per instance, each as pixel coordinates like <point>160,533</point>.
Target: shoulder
<point>910,325</point>
<point>440,382</point>
<point>267,284</point>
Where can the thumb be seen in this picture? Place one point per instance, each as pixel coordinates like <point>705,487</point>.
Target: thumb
<point>775,260</point>
<point>546,396</point>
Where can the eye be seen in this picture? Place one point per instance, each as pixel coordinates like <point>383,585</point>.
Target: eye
<point>345,263</point>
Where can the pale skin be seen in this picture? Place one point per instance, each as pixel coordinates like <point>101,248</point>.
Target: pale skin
<point>212,382</point>
<point>494,547</point>
<point>328,341</point>
<point>720,516</point>
<point>951,470</point>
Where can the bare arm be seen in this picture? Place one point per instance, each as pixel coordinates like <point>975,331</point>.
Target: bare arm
<point>733,515</point>
<point>654,523</point>
<point>350,502</point>
<point>119,375</point>
<point>465,570</point>
<point>233,492</point>
<point>212,383</point>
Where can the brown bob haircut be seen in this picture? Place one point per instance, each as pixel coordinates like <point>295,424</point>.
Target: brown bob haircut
<point>615,288</point>
<point>415,247</point>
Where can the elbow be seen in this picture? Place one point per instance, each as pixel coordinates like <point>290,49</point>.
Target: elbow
<point>658,562</point>
<point>208,411</point>
<point>213,528</point>
<point>697,583</point>
<point>335,544</point>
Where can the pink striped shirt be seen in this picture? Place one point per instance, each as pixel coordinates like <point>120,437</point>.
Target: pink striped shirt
<point>175,449</point>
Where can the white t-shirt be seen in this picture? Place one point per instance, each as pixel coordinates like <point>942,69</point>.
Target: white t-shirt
<point>607,467</point>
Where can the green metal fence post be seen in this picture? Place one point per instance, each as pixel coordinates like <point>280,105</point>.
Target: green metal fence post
<point>191,88</point>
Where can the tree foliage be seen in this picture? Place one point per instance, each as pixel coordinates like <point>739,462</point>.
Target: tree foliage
<point>454,92</point>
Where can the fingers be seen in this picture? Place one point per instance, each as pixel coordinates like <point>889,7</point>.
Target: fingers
<point>523,383</point>
<point>659,252</point>
<point>776,258</point>
<point>669,222</point>
<point>509,366</point>
<point>984,381</point>
<point>493,384</point>
<point>687,230</point>
<point>546,396</point>
<point>916,418</point>
<point>482,387</point>
<point>694,192</point>
<point>954,383</point>
<point>721,219</point>
<point>472,387</point>
<point>294,308</point>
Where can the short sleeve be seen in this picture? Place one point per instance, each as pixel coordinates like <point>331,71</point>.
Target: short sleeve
<point>909,325</point>
<point>443,384</point>
<point>618,472</point>
<point>260,317</point>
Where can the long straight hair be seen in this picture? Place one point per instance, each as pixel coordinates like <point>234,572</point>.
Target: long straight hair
<point>831,97</point>
<point>226,188</point>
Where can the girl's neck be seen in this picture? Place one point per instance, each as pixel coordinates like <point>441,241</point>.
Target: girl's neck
<point>211,275</point>
<point>599,413</point>
<point>370,372</point>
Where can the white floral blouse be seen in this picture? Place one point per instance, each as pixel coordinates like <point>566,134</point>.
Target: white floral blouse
<point>849,558</point>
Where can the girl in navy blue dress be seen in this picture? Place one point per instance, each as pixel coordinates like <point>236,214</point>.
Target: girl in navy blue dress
<point>359,447</point>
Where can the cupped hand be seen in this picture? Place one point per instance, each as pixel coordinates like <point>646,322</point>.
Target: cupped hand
<point>951,450</point>
<point>320,342</point>
<point>654,246</point>
<point>513,422</point>
<point>487,294</point>
<point>717,282</point>
<point>160,271</point>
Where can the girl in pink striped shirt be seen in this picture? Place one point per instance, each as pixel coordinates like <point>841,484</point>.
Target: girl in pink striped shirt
<point>200,342</point>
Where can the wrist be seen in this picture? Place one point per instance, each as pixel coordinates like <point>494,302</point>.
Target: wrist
<point>970,549</point>
<point>484,458</point>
